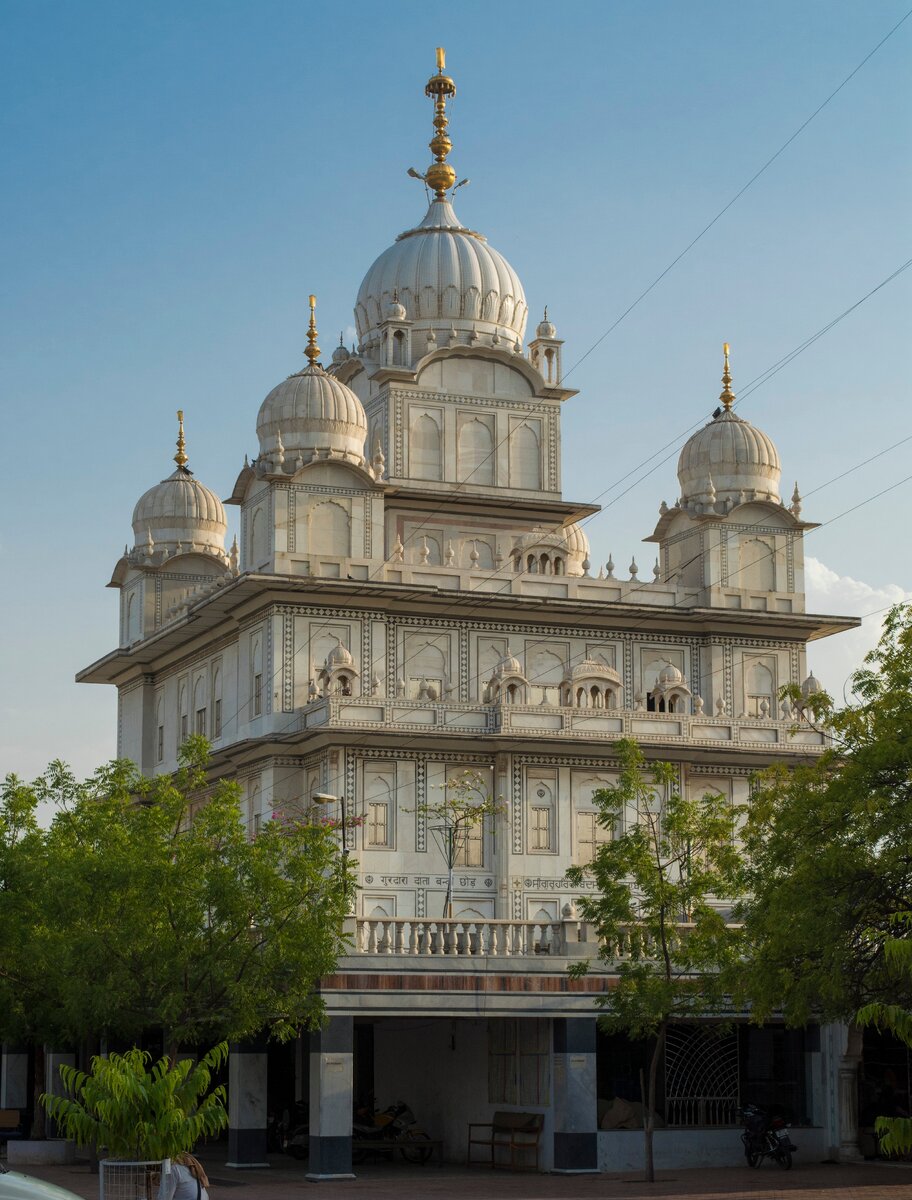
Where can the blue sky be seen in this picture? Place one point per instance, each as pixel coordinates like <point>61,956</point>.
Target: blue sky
<point>179,177</point>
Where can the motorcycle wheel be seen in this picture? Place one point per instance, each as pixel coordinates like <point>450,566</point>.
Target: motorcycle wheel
<point>415,1150</point>
<point>784,1159</point>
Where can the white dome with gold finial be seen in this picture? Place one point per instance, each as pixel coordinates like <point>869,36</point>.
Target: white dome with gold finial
<point>444,276</point>
<point>728,460</point>
<point>180,513</point>
<point>312,414</point>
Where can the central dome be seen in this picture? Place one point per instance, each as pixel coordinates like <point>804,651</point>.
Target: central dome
<point>446,277</point>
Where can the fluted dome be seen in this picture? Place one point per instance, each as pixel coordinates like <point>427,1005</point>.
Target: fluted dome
<point>811,686</point>
<point>546,328</point>
<point>577,544</point>
<point>339,656</point>
<point>316,415</point>
<point>670,675</point>
<point>729,459</point>
<point>508,666</point>
<point>590,669</point>
<point>180,510</point>
<point>446,278</point>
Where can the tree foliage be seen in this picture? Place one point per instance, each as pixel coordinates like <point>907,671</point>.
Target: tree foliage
<point>144,904</point>
<point>464,805</point>
<point>134,1113</point>
<point>831,853</point>
<point>671,861</point>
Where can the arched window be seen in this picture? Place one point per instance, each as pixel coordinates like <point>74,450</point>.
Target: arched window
<point>378,793</point>
<point>425,455</point>
<point>427,672</point>
<point>258,550</point>
<point>399,348</point>
<point>759,691</point>
<point>476,452</point>
<point>160,730</point>
<point>216,703</point>
<point>525,459</point>
<point>330,530</point>
<point>183,715</point>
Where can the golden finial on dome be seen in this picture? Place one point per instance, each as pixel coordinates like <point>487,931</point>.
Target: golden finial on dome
<point>727,396</point>
<point>312,352</point>
<point>181,457</point>
<point>440,175</point>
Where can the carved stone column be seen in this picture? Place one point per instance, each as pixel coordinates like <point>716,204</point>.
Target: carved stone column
<point>848,1096</point>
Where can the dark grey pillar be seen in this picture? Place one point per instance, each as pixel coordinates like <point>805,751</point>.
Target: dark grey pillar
<point>575,1105</point>
<point>247,1068</point>
<point>14,1076</point>
<point>331,1101</point>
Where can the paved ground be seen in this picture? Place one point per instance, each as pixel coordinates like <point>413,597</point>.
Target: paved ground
<point>386,1182</point>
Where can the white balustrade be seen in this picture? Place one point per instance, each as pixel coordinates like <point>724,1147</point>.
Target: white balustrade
<point>432,937</point>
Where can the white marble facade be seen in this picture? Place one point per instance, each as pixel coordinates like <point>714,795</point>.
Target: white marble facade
<point>409,594</point>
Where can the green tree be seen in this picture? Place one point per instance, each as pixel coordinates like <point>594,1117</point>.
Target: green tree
<point>830,852</point>
<point>669,864</point>
<point>895,1132</point>
<point>151,908</point>
<point>138,1112</point>
<point>464,805</point>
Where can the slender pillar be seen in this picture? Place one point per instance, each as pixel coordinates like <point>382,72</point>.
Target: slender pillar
<point>53,1084</point>
<point>848,1096</point>
<point>14,1076</point>
<point>331,1100</point>
<point>247,1069</point>
<point>575,1105</point>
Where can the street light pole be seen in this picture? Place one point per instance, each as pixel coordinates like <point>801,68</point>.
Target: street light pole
<point>327,798</point>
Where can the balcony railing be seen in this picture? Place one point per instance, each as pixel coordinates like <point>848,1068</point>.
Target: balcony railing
<point>441,937</point>
<point>562,723</point>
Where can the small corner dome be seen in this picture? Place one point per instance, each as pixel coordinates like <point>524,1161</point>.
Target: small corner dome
<point>508,665</point>
<point>395,311</point>
<point>180,510</point>
<point>444,277</point>
<point>670,675</point>
<point>316,415</point>
<point>339,656</point>
<point>546,328</point>
<point>811,686</point>
<point>340,354</point>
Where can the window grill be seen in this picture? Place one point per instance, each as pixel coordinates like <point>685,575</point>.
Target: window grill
<point>701,1076</point>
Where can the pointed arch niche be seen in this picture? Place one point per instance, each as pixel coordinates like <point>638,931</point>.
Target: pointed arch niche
<point>426,446</point>
<point>329,529</point>
<point>475,450</point>
<point>525,456</point>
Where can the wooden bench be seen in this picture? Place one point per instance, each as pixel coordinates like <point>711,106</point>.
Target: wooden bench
<point>10,1124</point>
<point>511,1138</point>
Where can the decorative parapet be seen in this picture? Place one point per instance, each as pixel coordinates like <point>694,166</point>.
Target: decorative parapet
<point>570,724</point>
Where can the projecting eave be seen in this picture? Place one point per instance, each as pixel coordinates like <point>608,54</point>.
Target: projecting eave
<point>220,613</point>
<point>554,512</point>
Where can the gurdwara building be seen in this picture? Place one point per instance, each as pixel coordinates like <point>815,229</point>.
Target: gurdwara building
<point>411,597</point>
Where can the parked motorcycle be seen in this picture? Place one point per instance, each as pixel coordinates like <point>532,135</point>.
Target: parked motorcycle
<point>394,1127</point>
<point>295,1131</point>
<point>766,1136</point>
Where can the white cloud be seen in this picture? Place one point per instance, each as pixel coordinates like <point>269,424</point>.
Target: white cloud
<point>833,660</point>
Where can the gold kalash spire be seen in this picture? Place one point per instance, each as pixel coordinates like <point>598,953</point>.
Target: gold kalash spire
<point>440,175</point>
<point>727,396</point>
<point>181,457</point>
<point>312,353</point>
